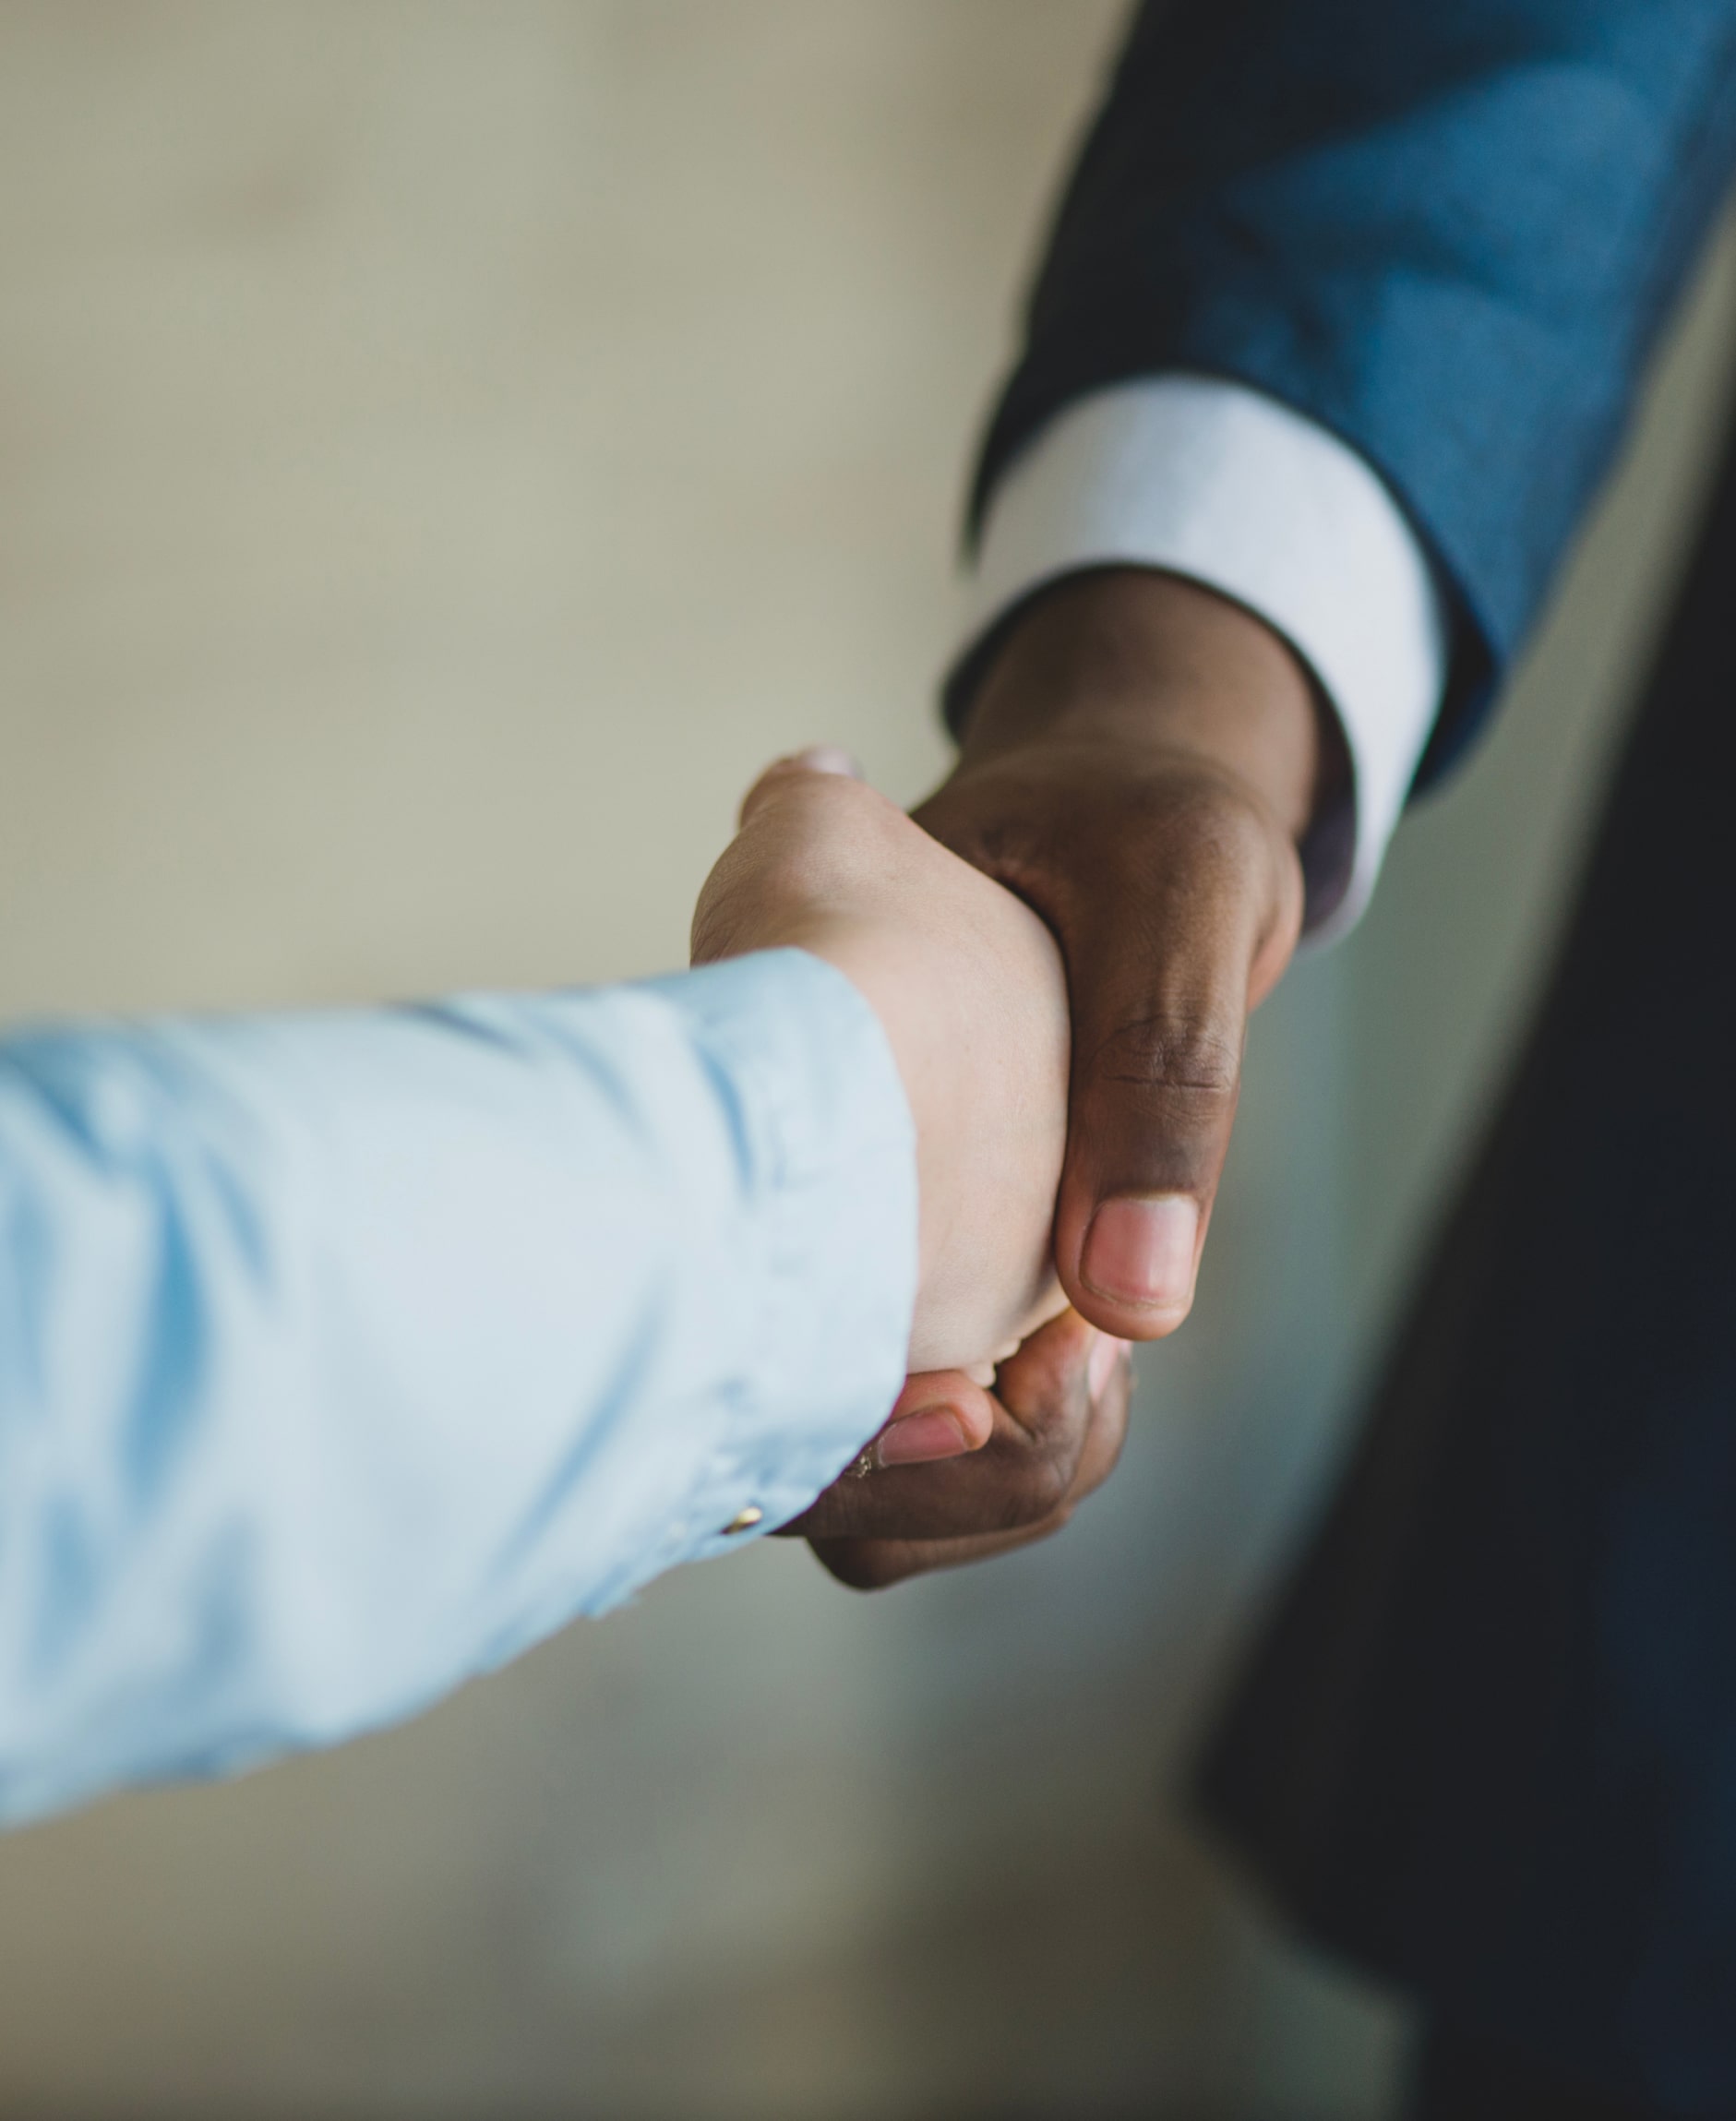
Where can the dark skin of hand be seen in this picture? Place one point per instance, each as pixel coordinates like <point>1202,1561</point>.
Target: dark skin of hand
<point>1141,759</point>
<point>1053,1440</point>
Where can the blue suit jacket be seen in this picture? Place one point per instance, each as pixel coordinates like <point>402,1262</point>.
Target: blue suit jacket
<point>1488,1746</point>
<point>1447,231</point>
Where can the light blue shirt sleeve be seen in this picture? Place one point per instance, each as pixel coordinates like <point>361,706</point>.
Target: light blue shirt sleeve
<point>344,1356</point>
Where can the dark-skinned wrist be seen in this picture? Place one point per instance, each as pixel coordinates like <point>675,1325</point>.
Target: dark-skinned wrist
<point>1163,665</point>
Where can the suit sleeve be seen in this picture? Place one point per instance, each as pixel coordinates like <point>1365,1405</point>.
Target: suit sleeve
<point>1447,235</point>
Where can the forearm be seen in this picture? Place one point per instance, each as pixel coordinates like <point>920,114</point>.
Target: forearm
<point>350,1354</point>
<point>1448,238</point>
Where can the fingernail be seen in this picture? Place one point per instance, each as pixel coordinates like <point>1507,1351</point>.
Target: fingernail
<point>918,1439</point>
<point>1104,1357</point>
<point>1140,1251</point>
<point>827,758</point>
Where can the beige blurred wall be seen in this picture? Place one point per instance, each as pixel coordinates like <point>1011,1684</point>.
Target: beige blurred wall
<point>444,449</point>
<point>448,446</point>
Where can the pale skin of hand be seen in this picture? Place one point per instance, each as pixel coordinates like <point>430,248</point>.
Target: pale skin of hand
<point>967,985</point>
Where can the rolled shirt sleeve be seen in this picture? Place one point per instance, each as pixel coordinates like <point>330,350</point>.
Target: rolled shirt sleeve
<point>1209,479</point>
<point>344,1356</point>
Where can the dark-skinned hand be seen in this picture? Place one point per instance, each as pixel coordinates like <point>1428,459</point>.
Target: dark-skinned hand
<point>1140,760</point>
<point>1055,1424</point>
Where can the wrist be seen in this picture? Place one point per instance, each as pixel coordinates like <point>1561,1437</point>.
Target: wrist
<point>897,992</point>
<point>1148,661</point>
<point>978,1034</point>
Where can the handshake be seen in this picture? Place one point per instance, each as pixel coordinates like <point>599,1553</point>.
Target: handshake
<point>967,984</point>
<point>1061,949</point>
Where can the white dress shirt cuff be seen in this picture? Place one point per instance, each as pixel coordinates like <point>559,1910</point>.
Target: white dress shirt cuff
<point>1211,479</point>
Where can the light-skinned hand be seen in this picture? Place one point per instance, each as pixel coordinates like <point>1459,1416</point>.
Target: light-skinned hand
<point>968,987</point>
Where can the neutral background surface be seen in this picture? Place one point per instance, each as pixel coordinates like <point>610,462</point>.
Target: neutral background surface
<point>444,449</point>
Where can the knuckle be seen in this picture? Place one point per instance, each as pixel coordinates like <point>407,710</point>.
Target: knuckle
<point>860,1565</point>
<point>1103,1464</point>
<point>1039,1492</point>
<point>1175,1055</point>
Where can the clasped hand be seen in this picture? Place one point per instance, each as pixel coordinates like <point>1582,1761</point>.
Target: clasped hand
<point>1062,949</point>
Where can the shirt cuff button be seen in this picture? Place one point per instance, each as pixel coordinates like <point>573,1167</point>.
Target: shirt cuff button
<point>743,1520</point>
